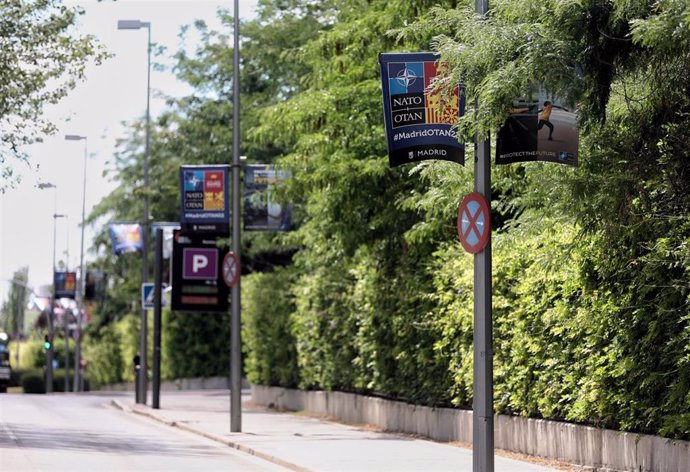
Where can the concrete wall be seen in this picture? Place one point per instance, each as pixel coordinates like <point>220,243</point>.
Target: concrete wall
<point>198,383</point>
<point>600,449</point>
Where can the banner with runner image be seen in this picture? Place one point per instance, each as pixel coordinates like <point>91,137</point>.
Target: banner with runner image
<point>539,128</point>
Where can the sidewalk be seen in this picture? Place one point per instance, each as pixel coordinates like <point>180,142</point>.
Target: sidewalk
<point>305,444</point>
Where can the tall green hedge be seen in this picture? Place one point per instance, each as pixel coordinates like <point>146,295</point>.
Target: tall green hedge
<point>270,356</point>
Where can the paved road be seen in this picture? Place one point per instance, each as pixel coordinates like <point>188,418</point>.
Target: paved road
<point>85,433</point>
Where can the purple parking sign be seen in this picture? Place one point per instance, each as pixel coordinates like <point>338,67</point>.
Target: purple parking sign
<point>199,263</point>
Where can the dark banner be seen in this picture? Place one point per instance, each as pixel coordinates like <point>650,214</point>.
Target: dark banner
<point>204,202</point>
<point>539,128</point>
<point>419,121</point>
<point>95,284</point>
<point>197,278</point>
<point>65,284</point>
<point>262,212</point>
<point>126,237</point>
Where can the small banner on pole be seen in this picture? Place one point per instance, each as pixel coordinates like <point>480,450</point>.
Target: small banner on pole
<point>95,285</point>
<point>262,211</point>
<point>126,237</point>
<point>539,128</point>
<point>419,116</point>
<point>65,284</point>
<point>204,202</point>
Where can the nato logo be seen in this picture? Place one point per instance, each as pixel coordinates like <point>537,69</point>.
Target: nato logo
<point>406,77</point>
<point>193,181</point>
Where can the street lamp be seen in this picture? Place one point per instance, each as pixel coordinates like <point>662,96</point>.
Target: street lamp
<point>235,324</point>
<point>82,278</point>
<point>49,352</point>
<point>135,25</point>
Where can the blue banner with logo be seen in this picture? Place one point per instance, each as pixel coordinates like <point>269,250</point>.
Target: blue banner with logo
<point>204,202</point>
<point>420,119</point>
<point>65,284</point>
<point>126,237</point>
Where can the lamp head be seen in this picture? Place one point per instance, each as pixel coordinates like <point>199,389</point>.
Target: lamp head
<point>74,137</point>
<point>131,24</point>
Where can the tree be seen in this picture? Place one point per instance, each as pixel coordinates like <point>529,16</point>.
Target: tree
<point>12,312</point>
<point>40,62</point>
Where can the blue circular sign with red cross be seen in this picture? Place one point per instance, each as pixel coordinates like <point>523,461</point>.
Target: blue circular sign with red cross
<point>474,223</point>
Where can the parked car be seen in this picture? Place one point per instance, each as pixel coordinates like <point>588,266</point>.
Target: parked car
<point>5,368</point>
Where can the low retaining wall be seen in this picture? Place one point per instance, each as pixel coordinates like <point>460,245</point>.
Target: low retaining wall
<point>197,383</point>
<point>600,449</point>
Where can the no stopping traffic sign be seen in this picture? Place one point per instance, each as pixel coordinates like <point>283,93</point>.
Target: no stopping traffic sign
<point>231,269</point>
<point>474,223</point>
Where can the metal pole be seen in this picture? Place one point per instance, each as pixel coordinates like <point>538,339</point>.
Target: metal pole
<point>144,228</point>
<point>17,322</point>
<point>235,338</point>
<point>49,352</point>
<point>82,284</point>
<point>157,294</point>
<point>482,418</point>
<point>65,329</point>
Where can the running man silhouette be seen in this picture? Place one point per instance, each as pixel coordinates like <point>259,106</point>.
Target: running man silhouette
<point>544,115</point>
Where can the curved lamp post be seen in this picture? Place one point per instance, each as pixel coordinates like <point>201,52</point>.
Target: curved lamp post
<point>82,279</point>
<point>135,25</point>
<point>49,352</point>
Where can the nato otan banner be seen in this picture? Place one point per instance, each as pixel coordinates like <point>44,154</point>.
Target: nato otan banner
<point>126,237</point>
<point>419,116</point>
<point>204,202</point>
<point>539,128</point>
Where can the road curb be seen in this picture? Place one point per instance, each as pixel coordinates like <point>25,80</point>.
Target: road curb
<point>213,437</point>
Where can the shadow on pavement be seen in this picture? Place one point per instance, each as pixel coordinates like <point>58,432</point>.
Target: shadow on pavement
<point>39,437</point>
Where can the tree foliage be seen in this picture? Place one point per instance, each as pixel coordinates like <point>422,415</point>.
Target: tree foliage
<point>592,265</point>
<point>13,309</point>
<point>41,60</point>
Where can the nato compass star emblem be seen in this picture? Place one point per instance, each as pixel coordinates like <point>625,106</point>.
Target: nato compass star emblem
<point>406,77</point>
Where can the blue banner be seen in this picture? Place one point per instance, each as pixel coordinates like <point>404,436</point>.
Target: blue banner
<point>419,119</point>
<point>65,284</point>
<point>204,202</point>
<point>126,237</point>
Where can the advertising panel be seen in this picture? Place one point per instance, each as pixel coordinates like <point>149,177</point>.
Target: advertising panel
<point>204,202</point>
<point>539,128</point>
<point>419,118</point>
<point>261,210</point>
<point>197,279</point>
<point>126,237</point>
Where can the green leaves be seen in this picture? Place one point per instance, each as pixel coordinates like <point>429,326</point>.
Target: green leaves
<point>40,62</point>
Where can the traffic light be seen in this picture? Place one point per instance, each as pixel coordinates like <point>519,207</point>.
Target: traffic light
<point>46,343</point>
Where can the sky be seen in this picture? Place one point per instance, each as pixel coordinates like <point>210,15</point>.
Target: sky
<point>113,93</point>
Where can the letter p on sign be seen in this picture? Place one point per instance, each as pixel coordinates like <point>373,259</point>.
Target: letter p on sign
<point>199,261</point>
